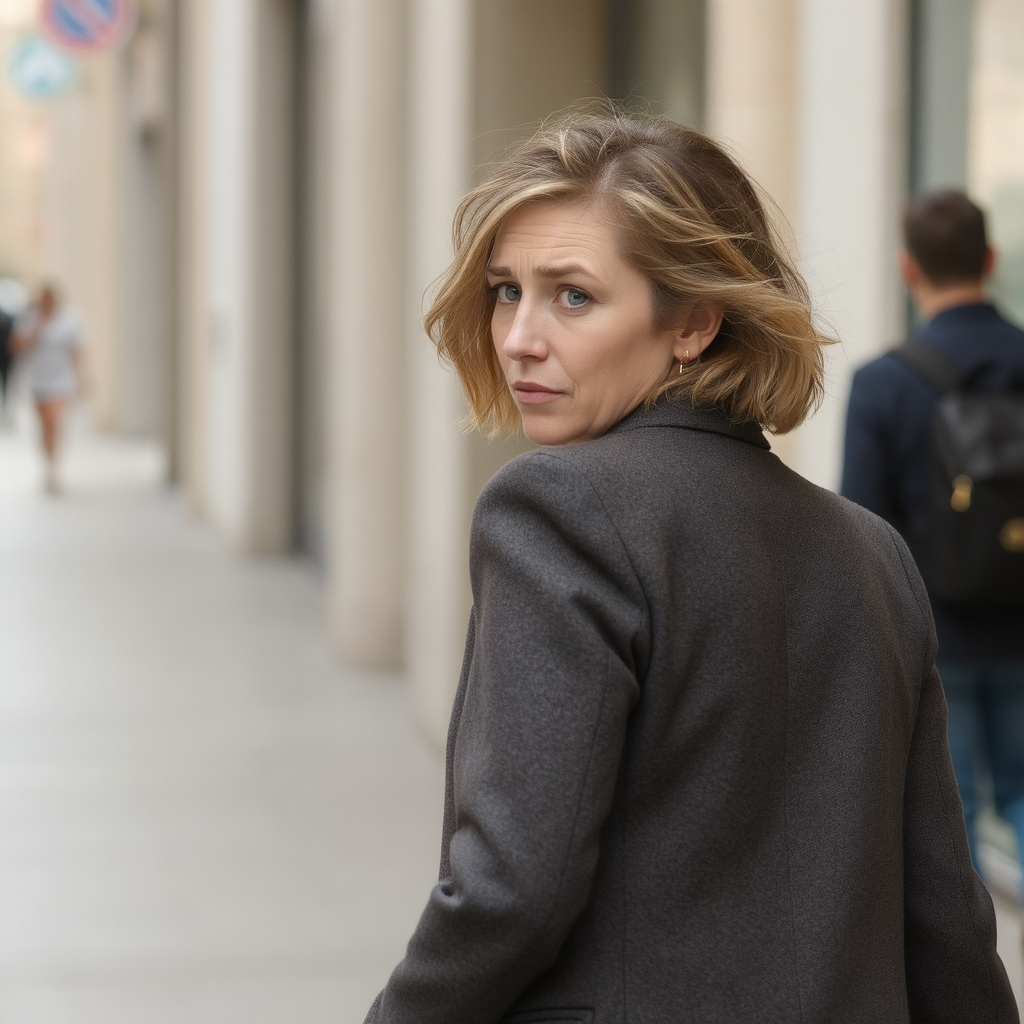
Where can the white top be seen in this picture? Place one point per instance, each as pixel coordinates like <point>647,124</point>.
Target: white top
<point>49,363</point>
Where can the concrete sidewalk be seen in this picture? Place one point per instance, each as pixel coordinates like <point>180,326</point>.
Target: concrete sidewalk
<point>203,818</point>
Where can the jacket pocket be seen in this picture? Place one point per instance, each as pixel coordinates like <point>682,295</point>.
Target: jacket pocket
<point>559,1015</point>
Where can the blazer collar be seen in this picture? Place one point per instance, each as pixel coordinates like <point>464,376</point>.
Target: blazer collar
<point>669,412</point>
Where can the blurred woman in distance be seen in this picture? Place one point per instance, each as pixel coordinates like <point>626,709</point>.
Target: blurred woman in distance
<point>6,361</point>
<point>697,766</point>
<point>49,338</point>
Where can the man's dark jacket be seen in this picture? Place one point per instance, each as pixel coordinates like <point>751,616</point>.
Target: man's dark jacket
<point>888,433</point>
<point>697,767</point>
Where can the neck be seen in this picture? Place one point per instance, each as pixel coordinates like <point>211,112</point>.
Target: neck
<point>931,301</point>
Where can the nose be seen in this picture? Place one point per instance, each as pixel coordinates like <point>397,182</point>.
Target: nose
<point>525,338</point>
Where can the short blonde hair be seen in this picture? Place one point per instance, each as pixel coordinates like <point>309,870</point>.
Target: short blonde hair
<point>690,220</point>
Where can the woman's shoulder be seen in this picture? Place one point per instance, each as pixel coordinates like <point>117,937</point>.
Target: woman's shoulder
<point>540,516</point>
<point>583,460</point>
<point>550,499</point>
<point>546,477</point>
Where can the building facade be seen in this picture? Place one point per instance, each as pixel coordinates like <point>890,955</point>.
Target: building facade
<point>262,195</point>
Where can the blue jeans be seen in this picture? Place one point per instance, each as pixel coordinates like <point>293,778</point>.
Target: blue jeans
<point>986,737</point>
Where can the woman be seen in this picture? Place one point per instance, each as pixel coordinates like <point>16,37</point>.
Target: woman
<point>697,767</point>
<point>50,338</point>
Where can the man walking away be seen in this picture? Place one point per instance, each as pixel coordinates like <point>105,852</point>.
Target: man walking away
<point>886,469</point>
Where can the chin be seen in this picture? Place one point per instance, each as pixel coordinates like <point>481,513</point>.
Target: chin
<point>550,435</point>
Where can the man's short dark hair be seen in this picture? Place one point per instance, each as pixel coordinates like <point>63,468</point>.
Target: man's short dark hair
<point>945,233</point>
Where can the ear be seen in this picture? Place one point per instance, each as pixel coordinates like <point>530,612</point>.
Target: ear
<point>702,327</point>
<point>910,270</point>
<point>991,256</point>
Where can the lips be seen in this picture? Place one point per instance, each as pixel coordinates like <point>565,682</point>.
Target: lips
<point>530,393</point>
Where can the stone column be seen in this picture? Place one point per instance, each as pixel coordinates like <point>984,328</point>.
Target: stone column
<point>441,153</point>
<point>851,173</point>
<point>248,235</point>
<point>368,362</point>
<point>150,271</point>
<point>192,348</point>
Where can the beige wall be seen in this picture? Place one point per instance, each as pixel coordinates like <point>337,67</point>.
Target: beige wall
<point>26,146</point>
<point>61,215</point>
<point>104,236</point>
<point>93,223</point>
<point>83,220</point>
<point>751,89</point>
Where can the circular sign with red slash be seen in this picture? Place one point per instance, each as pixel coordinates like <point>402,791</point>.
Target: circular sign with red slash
<point>88,24</point>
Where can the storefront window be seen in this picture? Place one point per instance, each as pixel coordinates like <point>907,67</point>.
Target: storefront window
<point>995,141</point>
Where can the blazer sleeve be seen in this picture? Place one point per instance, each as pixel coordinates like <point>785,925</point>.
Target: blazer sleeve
<point>550,678</point>
<point>953,972</point>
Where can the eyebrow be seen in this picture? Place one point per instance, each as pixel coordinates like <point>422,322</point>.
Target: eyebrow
<point>551,270</point>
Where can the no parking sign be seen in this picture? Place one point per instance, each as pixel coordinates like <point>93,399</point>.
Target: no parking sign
<point>88,24</point>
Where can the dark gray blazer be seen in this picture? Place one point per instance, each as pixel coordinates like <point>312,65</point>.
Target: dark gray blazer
<point>697,767</point>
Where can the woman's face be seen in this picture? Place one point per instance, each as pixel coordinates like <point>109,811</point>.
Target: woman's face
<point>573,323</point>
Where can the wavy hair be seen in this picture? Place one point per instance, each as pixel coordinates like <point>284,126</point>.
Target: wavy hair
<point>690,220</point>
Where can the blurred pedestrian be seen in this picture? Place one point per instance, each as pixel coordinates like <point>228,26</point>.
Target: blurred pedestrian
<point>945,264</point>
<point>49,337</point>
<point>6,362</point>
<point>697,764</point>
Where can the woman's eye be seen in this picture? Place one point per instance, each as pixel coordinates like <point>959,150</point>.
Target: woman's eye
<point>508,293</point>
<point>574,298</point>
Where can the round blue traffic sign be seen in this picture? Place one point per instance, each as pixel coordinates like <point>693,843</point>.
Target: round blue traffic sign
<point>40,70</point>
<point>88,24</point>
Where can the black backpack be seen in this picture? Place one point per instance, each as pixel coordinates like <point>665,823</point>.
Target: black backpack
<point>971,552</point>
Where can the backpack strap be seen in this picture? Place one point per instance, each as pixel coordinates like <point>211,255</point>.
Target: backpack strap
<point>930,365</point>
